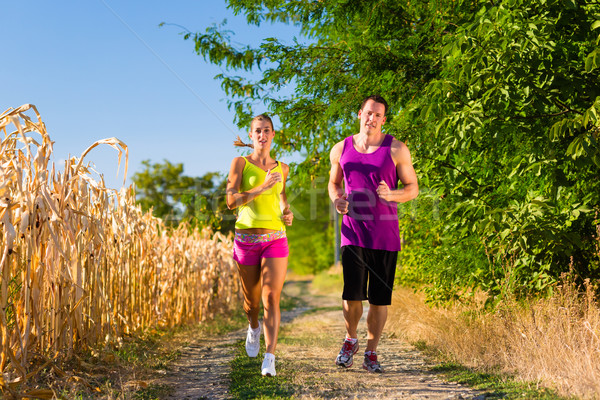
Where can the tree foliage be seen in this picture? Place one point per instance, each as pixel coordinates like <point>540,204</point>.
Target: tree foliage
<point>311,235</point>
<point>176,197</point>
<point>499,102</point>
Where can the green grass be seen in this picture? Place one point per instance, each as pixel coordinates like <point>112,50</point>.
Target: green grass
<point>495,385</point>
<point>224,323</point>
<point>139,357</point>
<point>317,310</point>
<point>153,392</point>
<point>146,350</point>
<point>248,383</point>
<point>246,380</point>
<point>288,303</point>
<point>326,282</point>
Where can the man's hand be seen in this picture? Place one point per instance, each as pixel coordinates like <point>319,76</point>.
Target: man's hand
<point>341,204</point>
<point>383,191</point>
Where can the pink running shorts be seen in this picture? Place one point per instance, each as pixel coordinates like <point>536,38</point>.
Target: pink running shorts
<point>251,253</point>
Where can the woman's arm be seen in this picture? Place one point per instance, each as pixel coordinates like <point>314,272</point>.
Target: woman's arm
<point>287,215</point>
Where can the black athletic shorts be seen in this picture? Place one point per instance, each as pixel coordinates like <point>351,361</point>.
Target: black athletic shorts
<point>368,274</point>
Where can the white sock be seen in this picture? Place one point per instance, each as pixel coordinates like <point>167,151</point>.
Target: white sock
<point>269,356</point>
<point>255,330</point>
<point>352,340</point>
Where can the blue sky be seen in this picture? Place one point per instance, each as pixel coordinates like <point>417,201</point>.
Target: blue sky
<point>104,68</point>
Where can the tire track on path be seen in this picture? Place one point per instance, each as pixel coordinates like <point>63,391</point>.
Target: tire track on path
<point>310,337</point>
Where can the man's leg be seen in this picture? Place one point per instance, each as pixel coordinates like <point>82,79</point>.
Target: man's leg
<point>352,313</point>
<point>353,310</point>
<point>355,287</point>
<point>376,318</point>
<point>381,283</point>
<point>355,291</point>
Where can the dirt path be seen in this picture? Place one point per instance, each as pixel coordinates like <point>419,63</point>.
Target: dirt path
<point>310,338</point>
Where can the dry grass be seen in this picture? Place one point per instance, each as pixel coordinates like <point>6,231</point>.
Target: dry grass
<point>554,341</point>
<point>82,265</point>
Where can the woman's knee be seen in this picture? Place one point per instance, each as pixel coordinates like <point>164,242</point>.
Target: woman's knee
<point>271,298</point>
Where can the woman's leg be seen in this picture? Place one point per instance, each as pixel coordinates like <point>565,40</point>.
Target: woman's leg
<point>273,277</point>
<point>250,278</point>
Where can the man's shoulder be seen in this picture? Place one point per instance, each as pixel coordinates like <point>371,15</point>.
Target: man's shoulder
<point>399,150</point>
<point>395,142</point>
<point>341,142</point>
<point>336,150</point>
<point>397,145</point>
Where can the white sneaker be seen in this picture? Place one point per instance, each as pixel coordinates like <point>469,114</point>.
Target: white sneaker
<point>253,341</point>
<point>268,365</point>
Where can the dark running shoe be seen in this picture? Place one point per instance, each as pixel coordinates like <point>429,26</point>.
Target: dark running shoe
<point>371,364</point>
<point>344,359</point>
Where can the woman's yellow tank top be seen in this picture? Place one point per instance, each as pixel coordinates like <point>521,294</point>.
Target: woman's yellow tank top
<point>264,211</point>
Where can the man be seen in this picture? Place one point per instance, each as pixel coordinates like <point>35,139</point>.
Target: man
<point>370,164</point>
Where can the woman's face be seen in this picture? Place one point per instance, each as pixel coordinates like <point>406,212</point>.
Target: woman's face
<point>262,134</point>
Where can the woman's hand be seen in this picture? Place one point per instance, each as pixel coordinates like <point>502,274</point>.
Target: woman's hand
<point>287,217</point>
<point>271,179</point>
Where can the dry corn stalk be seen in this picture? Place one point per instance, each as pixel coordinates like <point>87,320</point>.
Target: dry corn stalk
<point>81,264</point>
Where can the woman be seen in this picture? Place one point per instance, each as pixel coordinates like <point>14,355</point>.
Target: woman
<point>256,186</point>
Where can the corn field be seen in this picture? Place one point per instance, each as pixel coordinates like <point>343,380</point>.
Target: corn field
<point>82,265</point>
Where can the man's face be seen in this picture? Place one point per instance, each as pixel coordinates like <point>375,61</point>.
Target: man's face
<point>372,117</point>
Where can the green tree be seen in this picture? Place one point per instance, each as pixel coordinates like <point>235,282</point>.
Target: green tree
<point>176,197</point>
<point>497,100</point>
<point>311,235</point>
<point>513,113</point>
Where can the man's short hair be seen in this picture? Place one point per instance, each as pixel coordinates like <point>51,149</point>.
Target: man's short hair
<point>377,99</point>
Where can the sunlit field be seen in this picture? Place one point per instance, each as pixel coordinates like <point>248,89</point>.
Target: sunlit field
<point>553,341</point>
<point>82,265</point>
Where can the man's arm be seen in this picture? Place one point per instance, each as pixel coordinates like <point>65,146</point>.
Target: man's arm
<point>406,174</point>
<point>336,176</point>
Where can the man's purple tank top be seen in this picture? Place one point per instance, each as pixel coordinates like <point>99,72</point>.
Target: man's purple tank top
<point>371,222</point>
